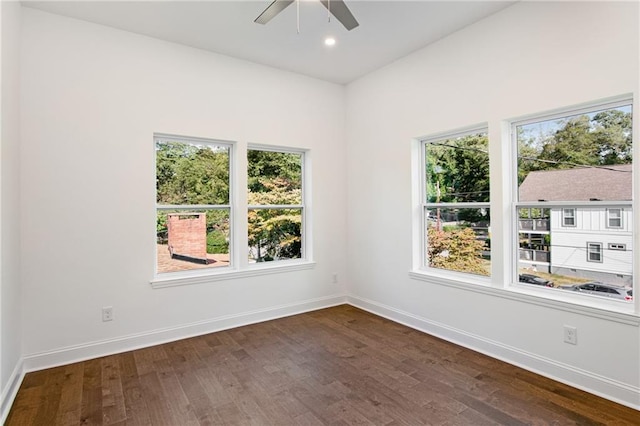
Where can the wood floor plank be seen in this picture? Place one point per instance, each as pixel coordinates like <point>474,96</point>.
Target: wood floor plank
<point>113,406</point>
<point>174,398</point>
<point>26,405</point>
<point>155,400</point>
<point>69,411</point>
<point>336,366</point>
<point>91,410</point>
<point>50,405</point>
<point>137,411</point>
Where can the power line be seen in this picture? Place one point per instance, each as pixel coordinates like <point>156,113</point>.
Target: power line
<point>592,166</point>
<point>583,166</point>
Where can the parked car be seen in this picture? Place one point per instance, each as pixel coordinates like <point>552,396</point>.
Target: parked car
<point>602,289</point>
<point>534,279</point>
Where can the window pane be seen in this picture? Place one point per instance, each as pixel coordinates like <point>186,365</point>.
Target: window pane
<point>552,255</point>
<point>615,218</point>
<point>459,240</point>
<point>275,234</point>
<point>189,173</point>
<point>274,177</point>
<point>458,169</point>
<point>568,217</point>
<point>581,157</point>
<point>534,225</point>
<point>594,252</point>
<point>192,239</point>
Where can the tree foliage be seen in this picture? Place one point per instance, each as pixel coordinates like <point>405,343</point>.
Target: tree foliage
<point>458,171</point>
<point>460,168</point>
<point>599,139</point>
<point>188,174</point>
<point>275,233</point>
<point>456,250</point>
<point>274,178</point>
<point>191,174</point>
<point>265,166</point>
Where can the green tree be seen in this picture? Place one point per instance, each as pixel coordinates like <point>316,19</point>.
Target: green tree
<point>612,135</point>
<point>188,174</point>
<point>274,178</point>
<point>275,233</point>
<point>573,144</point>
<point>460,167</point>
<point>265,166</point>
<point>599,139</point>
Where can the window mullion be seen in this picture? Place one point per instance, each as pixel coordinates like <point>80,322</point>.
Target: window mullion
<point>192,206</point>
<point>457,205</point>
<point>241,227</point>
<point>274,206</point>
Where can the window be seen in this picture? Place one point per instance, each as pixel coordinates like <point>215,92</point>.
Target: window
<point>568,217</point>
<point>206,230</point>
<point>275,205</point>
<point>576,164</point>
<point>620,247</point>
<point>455,202</point>
<point>571,175</point>
<point>594,252</point>
<point>193,212</point>
<point>614,218</point>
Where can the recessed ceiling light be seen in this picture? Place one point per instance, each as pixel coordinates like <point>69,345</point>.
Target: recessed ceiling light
<point>329,41</point>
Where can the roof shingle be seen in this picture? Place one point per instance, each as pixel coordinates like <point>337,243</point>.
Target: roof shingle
<point>611,183</point>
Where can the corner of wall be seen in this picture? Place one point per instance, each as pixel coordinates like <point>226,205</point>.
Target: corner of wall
<point>11,390</point>
<point>11,365</point>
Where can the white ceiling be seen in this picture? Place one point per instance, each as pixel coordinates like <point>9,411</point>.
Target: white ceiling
<point>388,30</point>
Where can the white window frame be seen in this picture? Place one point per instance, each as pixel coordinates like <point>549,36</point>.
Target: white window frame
<point>239,266</point>
<point>566,216</point>
<point>599,252</point>
<point>609,218</point>
<point>422,263</point>
<point>304,229</point>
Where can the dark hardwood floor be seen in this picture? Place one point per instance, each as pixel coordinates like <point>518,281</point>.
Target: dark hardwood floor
<point>336,366</point>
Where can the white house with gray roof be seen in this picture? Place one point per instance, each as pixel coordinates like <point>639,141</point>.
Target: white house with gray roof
<point>590,242</point>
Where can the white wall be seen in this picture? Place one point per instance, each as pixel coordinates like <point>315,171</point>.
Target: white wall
<point>92,97</point>
<point>10,327</point>
<point>529,58</point>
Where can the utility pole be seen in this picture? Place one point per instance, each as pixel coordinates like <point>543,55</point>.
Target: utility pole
<point>438,208</point>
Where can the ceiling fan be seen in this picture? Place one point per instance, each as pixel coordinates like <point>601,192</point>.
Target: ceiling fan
<point>336,7</point>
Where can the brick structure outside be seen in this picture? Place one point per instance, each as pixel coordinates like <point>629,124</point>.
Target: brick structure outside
<point>188,236</point>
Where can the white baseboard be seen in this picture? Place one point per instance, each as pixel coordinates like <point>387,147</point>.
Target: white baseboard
<point>610,389</point>
<point>604,387</point>
<point>11,390</point>
<point>68,355</point>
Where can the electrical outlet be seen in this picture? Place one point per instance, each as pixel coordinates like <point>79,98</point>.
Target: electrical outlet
<point>107,313</point>
<point>570,335</point>
<point>334,278</point>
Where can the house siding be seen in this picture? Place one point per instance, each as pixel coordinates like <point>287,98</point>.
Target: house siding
<point>569,246</point>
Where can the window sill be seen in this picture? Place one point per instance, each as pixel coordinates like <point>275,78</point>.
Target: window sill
<point>253,270</point>
<point>610,310</point>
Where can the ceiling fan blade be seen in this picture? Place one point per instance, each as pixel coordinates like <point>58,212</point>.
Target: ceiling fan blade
<point>341,13</point>
<point>272,10</point>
